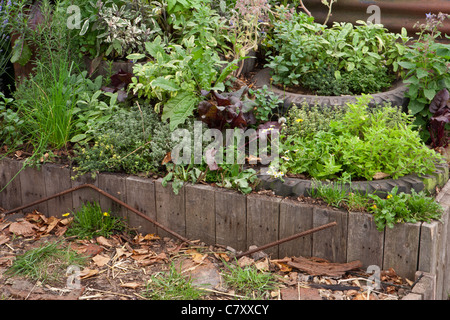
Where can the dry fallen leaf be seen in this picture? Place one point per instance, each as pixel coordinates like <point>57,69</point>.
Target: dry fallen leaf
<point>245,261</point>
<point>122,252</point>
<point>22,228</point>
<point>380,175</point>
<point>100,260</point>
<point>153,259</point>
<point>282,266</point>
<point>262,265</point>
<point>87,273</point>
<point>5,224</point>
<point>103,241</point>
<point>3,239</point>
<point>66,221</point>
<point>52,222</point>
<point>196,256</point>
<point>222,256</point>
<point>131,285</point>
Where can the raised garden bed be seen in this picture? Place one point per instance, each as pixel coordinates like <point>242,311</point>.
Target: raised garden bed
<point>219,216</point>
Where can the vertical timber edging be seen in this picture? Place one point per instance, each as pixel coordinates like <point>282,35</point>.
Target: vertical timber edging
<point>226,217</point>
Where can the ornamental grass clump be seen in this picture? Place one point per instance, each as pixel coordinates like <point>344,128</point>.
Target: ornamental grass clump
<point>362,144</point>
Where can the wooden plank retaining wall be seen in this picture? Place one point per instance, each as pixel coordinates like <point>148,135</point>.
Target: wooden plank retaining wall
<point>218,216</point>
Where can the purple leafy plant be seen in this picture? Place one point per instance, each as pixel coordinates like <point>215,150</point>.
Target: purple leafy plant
<point>440,108</point>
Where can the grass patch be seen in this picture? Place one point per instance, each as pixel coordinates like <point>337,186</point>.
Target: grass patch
<point>171,285</point>
<point>249,281</point>
<point>46,263</point>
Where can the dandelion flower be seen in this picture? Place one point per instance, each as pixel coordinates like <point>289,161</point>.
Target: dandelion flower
<point>106,214</point>
<point>389,196</point>
<point>374,206</point>
<point>298,120</point>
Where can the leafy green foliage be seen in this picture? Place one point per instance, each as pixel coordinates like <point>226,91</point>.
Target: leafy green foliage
<point>132,141</point>
<point>427,70</point>
<point>266,104</point>
<point>360,144</point>
<point>90,222</point>
<point>176,75</point>
<point>401,207</point>
<point>300,47</point>
<point>10,122</point>
<point>324,81</point>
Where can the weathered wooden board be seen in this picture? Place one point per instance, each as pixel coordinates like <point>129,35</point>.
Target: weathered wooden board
<point>81,196</point>
<point>331,243</point>
<point>200,213</point>
<point>295,217</point>
<point>433,241</point>
<point>11,196</point>
<point>116,186</point>
<point>231,219</point>
<point>32,186</point>
<point>401,247</point>
<point>141,196</point>
<point>57,179</point>
<point>364,243</point>
<point>262,221</point>
<point>170,209</point>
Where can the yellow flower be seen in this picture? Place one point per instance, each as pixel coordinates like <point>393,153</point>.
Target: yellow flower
<point>106,214</point>
<point>66,214</point>
<point>374,206</point>
<point>298,120</point>
<point>389,196</point>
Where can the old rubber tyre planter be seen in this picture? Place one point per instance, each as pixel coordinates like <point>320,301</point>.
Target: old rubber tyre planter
<point>294,187</point>
<point>395,95</point>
